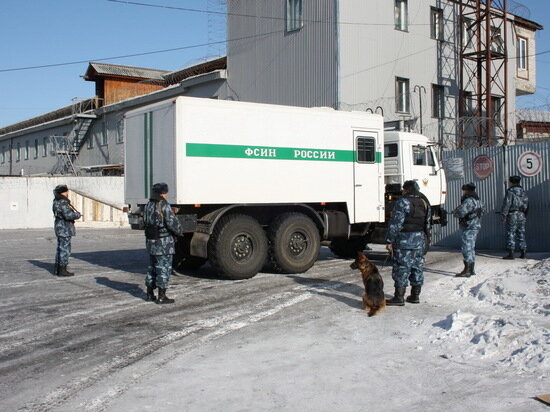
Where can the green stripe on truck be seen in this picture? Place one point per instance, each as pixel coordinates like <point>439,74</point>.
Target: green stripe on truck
<point>269,152</point>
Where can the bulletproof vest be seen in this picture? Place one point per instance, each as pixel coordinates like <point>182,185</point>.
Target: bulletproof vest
<point>154,221</point>
<point>415,220</point>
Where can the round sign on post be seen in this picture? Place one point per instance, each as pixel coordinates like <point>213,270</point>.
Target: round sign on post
<point>483,166</point>
<point>530,163</point>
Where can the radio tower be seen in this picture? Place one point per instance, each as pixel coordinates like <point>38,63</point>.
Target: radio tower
<point>483,62</point>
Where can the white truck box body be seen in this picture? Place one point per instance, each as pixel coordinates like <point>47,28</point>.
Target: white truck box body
<point>225,152</point>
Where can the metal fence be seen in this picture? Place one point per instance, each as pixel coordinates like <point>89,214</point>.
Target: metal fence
<point>489,168</point>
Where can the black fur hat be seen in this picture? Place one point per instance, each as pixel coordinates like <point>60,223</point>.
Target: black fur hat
<point>469,186</point>
<point>61,189</point>
<point>411,186</point>
<point>160,188</point>
<point>514,179</point>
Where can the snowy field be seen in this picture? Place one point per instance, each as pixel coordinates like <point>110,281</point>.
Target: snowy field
<point>274,342</point>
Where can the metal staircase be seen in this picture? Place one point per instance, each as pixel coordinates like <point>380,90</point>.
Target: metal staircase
<point>67,147</point>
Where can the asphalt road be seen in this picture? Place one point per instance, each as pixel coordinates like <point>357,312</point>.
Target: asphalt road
<point>80,343</point>
<point>59,336</point>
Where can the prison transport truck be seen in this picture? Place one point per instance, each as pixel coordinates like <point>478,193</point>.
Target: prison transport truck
<point>252,181</point>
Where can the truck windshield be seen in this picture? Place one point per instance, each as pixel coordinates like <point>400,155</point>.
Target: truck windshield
<point>390,150</point>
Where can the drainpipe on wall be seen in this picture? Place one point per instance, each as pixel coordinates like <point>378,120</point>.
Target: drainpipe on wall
<point>11,156</point>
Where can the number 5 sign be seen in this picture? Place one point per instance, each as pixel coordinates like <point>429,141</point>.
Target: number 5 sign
<point>530,163</point>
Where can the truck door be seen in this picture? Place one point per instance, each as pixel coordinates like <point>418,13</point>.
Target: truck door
<point>368,177</point>
<point>424,169</point>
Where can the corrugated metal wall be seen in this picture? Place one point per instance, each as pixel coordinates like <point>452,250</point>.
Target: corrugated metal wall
<point>270,65</point>
<point>492,190</point>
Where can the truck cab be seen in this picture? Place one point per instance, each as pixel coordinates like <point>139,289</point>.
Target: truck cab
<point>411,156</point>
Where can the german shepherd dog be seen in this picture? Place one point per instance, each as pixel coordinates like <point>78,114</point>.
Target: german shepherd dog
<point>373,298</point>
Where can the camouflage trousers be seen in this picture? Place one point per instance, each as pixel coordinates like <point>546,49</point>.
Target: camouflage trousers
<point>159,271</point>
<point>515,231</point>
<point>63,251</point>
<point>408,267</point>
<point>469,237</point>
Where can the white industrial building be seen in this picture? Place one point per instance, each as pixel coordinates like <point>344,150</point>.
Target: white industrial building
<point>450,69</point>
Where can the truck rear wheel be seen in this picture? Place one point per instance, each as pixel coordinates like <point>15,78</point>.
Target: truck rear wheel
<point>294,243</point>
<point>348,248</point>
<point>238,247</point>
<point>183,259</point>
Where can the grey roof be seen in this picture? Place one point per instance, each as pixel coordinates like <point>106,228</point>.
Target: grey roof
<point>219,63</point>
<point>125,71</point>
<point>533,116</point>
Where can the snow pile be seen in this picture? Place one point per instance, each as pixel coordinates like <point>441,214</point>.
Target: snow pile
<point>506,321</point>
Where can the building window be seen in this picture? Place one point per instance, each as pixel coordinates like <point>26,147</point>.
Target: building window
<point>294,15</point>
<point>366,152</point>
<point>18,152</point>
<point>390,150</point>
<point>522,53</point>
<point>496,103</point>
<point>103,135</point>
<point>26,152</point>
<point>44,146</point>
<point>120,131</point>
<point>468,33</point>
<point>35,148</point>
<point>3,155</point>
<point>90,144</point>
<point>402,98</point>
<point>436,23</point>
<point>468,104</point>
<point>438,101</point>
<point>497,42</point>
<point>401,15</point>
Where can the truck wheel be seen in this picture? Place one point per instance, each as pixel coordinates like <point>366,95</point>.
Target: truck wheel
<point>294,243</point>
<point>183,259</point>
<point>238,247</point>
<point>348,248</point>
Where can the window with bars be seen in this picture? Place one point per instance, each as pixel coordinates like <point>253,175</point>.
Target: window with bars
<point>401,15</point>
<point>366,149</point>
<point>402,95</point>
<point>294,15</point>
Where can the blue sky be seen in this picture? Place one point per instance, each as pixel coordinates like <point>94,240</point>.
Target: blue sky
<point>42,32</point>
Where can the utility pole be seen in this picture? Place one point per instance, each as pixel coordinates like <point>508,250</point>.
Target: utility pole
<point>420,88</point>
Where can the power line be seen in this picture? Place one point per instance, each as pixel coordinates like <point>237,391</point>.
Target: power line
<point>138,54</point>
<point>203,11</point>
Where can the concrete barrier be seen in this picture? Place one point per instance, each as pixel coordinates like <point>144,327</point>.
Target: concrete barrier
<point>26,202</point>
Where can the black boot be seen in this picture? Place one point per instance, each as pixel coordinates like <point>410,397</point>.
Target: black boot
<point>151,294</point>
<point>63,272</point>
<point>163,298</point>
<point>471,271</point>
<point>398,298</point>
<point>522,254</point>
<point>461,274</point>
<point>466,272</point>
<point>414,297</point>
<point>510,254</point>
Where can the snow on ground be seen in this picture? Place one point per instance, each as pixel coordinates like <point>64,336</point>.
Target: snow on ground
<point>504,318</point>
<point>480,343</point>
